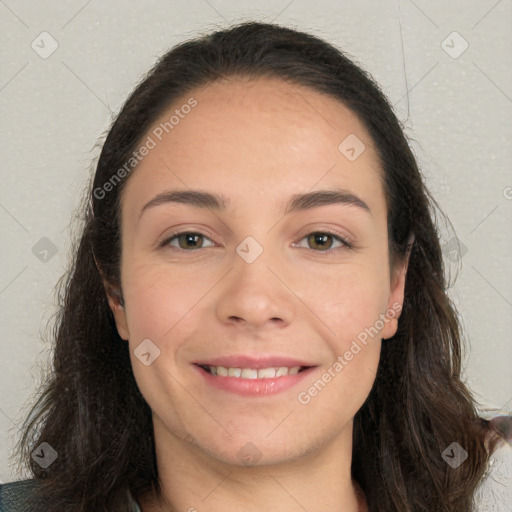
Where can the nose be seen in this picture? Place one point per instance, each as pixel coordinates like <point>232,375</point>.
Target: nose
<point>255,295</point>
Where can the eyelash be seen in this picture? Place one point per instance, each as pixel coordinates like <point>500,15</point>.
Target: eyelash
<point>345,243</point>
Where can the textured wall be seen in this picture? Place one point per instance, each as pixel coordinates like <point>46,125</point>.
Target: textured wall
<point>67,67</point>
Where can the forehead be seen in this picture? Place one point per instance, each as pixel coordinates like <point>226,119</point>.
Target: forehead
<point>265,137</point>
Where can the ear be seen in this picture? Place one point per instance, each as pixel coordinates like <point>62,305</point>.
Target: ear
<point>396,296</point>
<point>116,304</point>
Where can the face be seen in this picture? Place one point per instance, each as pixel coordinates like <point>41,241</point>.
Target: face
<point>261,280</point>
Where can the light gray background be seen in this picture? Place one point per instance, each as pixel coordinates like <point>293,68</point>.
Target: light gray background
<point>458,113</point>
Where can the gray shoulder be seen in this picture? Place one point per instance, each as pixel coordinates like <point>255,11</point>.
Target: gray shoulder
<point>494,493</point>
<point>16,497</point>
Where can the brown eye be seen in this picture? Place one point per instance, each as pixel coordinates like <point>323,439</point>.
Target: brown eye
<point>321,241</point>
<point>190,240</point>
<point>187,241</point>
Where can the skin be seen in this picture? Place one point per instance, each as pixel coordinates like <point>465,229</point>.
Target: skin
<point>256,143</point>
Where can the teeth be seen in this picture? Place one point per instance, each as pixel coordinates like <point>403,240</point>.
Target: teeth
<point>266,373</point>
<point>253,373</point>
<point>234,372</point>
<point>282,371</point>
<point>221,370</point>
<point>249,373</point>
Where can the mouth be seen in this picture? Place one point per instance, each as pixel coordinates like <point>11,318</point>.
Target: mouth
<point>270,372</point>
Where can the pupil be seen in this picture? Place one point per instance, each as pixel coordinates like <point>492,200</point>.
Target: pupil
<point>320,240</point>
<point>191,239</point>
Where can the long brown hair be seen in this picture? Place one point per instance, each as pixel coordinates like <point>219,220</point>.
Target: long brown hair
<point>90,409</point>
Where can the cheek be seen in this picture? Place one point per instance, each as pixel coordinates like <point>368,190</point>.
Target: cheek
<point>164,308</point>
<point>351,306</point>
<point>352,313</point>
<point>158,301</point>
<point>350,300</point>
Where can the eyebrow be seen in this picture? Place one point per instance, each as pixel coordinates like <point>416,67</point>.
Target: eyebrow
<point>297,202</point>
<point>308,200</point>
<point>194,197</point>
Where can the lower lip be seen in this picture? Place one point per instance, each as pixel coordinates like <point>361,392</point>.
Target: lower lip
<point>253,387</point>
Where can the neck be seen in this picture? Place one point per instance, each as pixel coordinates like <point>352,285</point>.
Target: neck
<point>193,481</point>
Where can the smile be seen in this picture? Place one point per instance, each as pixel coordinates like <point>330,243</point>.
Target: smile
<point>252,382</point>
<point>254,373</point>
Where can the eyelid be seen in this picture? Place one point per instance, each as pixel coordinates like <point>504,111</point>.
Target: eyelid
<point>343,239</point>
<point>175,234</point>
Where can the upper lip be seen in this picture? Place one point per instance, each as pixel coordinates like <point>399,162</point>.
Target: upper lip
<point>244,361</point>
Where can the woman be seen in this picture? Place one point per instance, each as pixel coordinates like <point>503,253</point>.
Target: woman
<point>256,314</point>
